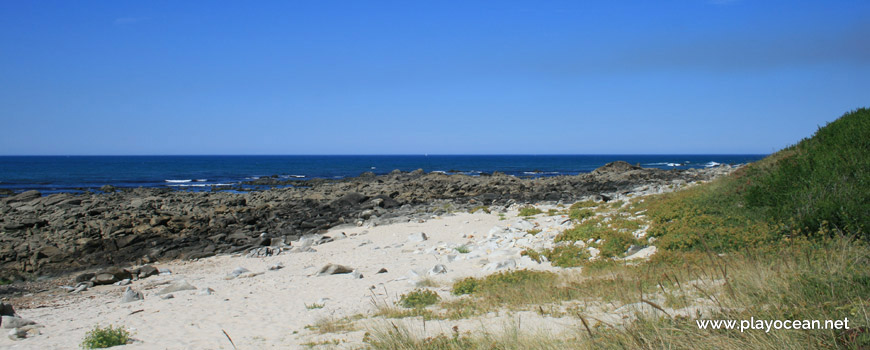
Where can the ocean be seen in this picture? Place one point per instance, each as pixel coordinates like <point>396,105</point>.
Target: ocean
<point>53,174</point>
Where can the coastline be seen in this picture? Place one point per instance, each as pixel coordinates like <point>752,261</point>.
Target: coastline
<point>68,232</point>
<point>270,307</point>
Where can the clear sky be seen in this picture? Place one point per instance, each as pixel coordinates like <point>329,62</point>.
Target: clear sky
<point>437,77</point>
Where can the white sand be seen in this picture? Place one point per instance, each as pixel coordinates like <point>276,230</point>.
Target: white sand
<point>268,311</point>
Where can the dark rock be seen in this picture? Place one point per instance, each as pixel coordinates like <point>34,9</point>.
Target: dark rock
<point>26,196</point>
<point>351,199</point>
<point>616,167</point>
<point>87,276</point>
<point>334,269</point>
<point>6,309</point>
<point>107,188</point>
<point>148,271</point>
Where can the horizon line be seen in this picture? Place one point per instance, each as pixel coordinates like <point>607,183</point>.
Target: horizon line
<point>384,155</point>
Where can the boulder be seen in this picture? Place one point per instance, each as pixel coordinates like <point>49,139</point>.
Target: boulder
<point>104,278</point>
<point>147,271</point>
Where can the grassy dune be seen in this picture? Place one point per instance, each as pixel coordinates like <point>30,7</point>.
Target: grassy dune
<point>784,238</point>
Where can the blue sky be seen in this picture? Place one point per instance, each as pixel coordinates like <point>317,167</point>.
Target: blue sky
<point>438,77</point>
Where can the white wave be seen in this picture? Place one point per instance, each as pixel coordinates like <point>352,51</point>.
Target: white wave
<point>200,180</point>
<point>674,164</point>
<point>178,181</point>
<point>658,163</point>
<point>297,176</point>
<point>712,164</point>
<point>199,185</point>
<point>439,172</point>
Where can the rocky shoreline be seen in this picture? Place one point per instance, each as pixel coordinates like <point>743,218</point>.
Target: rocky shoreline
<point>59,233</point>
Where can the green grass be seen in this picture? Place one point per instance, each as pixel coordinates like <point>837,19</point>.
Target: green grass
<point>534,231</point>
<point>314,306</point>
<point>529,211</point>
<point>567,256</point>
<point>616,243</point>
<point>462,249</point>
<point>484,208</point>
<point>593,229</point>
<point>820,184</point>
<point>419,298</point>
<point>823,180</point>
<point>784,238</point>
<point>801,279</point>
<point>580,214</point>
<point>331,325</point>
<point>99,338</point>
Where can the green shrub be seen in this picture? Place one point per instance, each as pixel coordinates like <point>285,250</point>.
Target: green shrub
<point>567,256</point>
<point>462,249</point>
<point>479,207</point>
<point>419,298</point>
<point>583,204</point>
<point>533,254</point>
<point>100,338</point>
<point>529,211</point>
<point>465,286</point>
<point>616,243</point>
<point>534,231</point>
<point>580,214</point>
<point>582,232</point>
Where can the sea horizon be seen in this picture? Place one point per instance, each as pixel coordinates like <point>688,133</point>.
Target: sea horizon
<point>78,173</point>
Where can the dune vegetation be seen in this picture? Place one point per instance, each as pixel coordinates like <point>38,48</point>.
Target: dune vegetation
<point>784,238</point>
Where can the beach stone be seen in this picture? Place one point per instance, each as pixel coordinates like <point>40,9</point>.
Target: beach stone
<point>334,269</point>
<point>206,291</point>
<point>17,334</point>
<point>176,286</point>
<point>495,266</point>
<point>167,296</point>
<point>438,269</point>
<point>417,237</point>
<point>123,282</point>
<point>356,274</point>
<point>237,272</point>
<point>276,267</point>
<point>80,288</point>
<point>14,322</point>
<point>131,295</point>
<point>148,271</point>
<point>104,278</point>
<point>382,270</point>
<point>642,253</point>
<point>87,276</point>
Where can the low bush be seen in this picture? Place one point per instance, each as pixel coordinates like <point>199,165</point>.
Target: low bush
<point>99,338</point>
<point>529,211</point>
<point>419,298</point>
